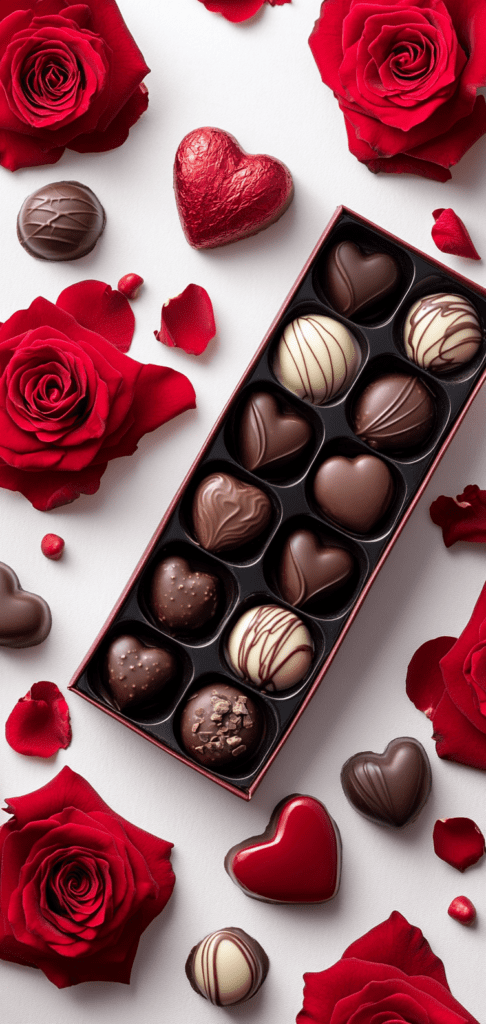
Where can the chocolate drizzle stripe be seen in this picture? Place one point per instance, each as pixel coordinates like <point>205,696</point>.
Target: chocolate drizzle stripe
<point>260,436</point>
<point>74,219</point>
<point>371,786</point>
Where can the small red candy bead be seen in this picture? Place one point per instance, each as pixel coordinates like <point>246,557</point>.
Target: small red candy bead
<point>130,285</point>
<point>462,910</point>
<point>52,546</point>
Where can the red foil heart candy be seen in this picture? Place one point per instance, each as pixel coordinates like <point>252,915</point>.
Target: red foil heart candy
<point>297,859</point>
<point>224,194</point>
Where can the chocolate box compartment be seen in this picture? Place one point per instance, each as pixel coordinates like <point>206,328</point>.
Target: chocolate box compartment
<point>247,576</point>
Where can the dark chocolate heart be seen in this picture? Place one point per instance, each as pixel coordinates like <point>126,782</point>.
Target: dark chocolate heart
<point>135,674</point>
<point>389,788</point>
<point>183,600</point>
<point>354,492</point>
<point>269,437</point>
<point>25,619</point>
<point>354,281</point>
<point>309,569</point>
<point>227,512</point>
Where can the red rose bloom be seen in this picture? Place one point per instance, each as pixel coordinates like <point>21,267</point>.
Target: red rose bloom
<point>388,975</point>
<point>447,680</point>
<point>405,74</point>
<point>78,884</point>
<point>239,10</point>
<point>70,76</point>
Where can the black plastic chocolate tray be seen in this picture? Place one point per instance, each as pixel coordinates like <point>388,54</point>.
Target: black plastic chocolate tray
<point>248,574</point>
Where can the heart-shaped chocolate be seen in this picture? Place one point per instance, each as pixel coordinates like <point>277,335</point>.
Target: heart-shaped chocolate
<point>181,598</point>
<point>269,437</point>
<point>224,194</point>
<point>25,619</point>
<point>297,859</point>
<point>227,512</point>
<point>135,675</point>
<point>309,569</point>
<point>355,493</point>
<point>355,282</point>
<point>389,788</point>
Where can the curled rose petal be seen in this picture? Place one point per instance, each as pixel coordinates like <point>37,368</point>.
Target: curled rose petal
<point>188,321</point>
<point>99,308</point>
<point>458,841</point>
<point>451,235</point>
<point>39,724</point>
<point>239,10</point>
<point>461,518</point>
<point>130,285</point>
<point>462,910</point>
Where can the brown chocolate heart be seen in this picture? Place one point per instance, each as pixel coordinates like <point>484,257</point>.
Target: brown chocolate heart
<point>354,282</point>
<point>25,619</point>
<point>309,569</point>
<point>183,600</point>
<point>227,512</point>
<point>355,493</point>
<point>135,675</point>
<point>389,788</point>
<point>269,437</point>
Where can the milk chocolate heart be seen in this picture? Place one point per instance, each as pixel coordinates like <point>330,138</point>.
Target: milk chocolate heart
<point>224,194</point>
<point>389,788</point>
<point>269,437</point>
<point>25,619</point>
<point>297,859</point>
<point>183,600</point>
<point>309,569</point>
<point>135,675</point>
<point>227,512</point>
<point>355,282</point>
<point>355,493</point>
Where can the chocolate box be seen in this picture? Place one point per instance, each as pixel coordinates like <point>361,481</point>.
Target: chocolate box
<point>248,574</point>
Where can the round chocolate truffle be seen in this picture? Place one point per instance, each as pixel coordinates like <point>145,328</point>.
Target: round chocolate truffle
<point>60,221</point>
<point>395,413</point>
<point>220,726</point>
<point>136,675</point>
<point>271,647</point>
<point>228,513</point>
<point>183,600</point>
<point>227,967</point>
<point>442,332</point>
<point>316,358</point>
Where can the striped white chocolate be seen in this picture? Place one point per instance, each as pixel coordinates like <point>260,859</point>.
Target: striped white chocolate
<point>316,358</point>
<point>271,647</point>
<point>228,967</point>
<point>442,332</point>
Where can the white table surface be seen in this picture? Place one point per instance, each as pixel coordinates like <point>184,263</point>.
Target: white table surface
<point>258,81</point>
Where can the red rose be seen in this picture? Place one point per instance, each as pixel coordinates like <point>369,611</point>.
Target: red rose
<point>447,680</point>
<point>239,10</point>
<point>388,975</point>
<point>78,884</point>
<point>406,74</point>
<point>70,401</point>
<point>70,76</point>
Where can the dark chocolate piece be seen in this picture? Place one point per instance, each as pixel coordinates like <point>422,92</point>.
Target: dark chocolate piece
<point>355,282</point>
<point>183,600</point>
<point>136,675</point>
<point>227,967</point>
<point>442,332</point>
<point>309,569</point>
<point>25,619</point>
<point>227,512</point>
<point>389,788</point>
<point>60,221</point>
<point>220,726</point>
<point>269,437</point>
<point>355,493</point>
<point>395,412</point>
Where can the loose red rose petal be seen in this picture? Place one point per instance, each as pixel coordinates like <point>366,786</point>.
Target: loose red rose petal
<point>239,10</point>
<point>188,321</point>
<point>458,841</point>
<point>96,306</point>
<point>130,285</point>
<point>462,910</point>
<point>39,723</point>
<point>52,546</point>
<point>461,518</point>
<point>451,236</point>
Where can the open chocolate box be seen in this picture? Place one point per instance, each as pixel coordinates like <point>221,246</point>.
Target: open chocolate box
<point>249,572</point>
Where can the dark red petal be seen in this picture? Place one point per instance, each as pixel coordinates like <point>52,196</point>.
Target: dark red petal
<point>458,841</point>
<point>188,321</point>
<point>39,723</point>
<point>461,518</point>
<point>425,685</point>
<point>456,738</point>
<point>99,308</point>
<point>451,236</point>
<point>462,910</point>
<point>23,151</point>
<point>116,133</point>
<point>399,944</point>
<point>130,285</point>
<point>51,489</point>
<point>234,10</point>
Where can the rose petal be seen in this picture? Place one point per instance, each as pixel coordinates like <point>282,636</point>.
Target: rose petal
<point>462,910</point>
<point>130,285</point>
<point>425,685</point>
<point>458,841</point>
<point>99,308</point>
<point>451,236</point>
<point>456,738</point>
<point>461,518</point>
<point>188,321</point>
<point>39,724</point>
<point>239,10</point>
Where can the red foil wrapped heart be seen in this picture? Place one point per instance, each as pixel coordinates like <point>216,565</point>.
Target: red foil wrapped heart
<point>224,194</point>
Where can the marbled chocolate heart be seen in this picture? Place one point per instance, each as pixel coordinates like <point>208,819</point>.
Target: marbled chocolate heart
<point>227,512</point>
<point>309,569</point>
<point>136,675</point>
<point>389,788</point>
<point>355,493</point>
<point>183,600</point>
<point>25,619</point>
<point>269,437</point>
<point>354,282</point>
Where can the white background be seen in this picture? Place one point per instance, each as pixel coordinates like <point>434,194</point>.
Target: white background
<point>258,81</point>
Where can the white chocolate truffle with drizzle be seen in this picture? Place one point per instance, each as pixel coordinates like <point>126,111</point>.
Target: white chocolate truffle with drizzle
<point>316,358</point>
<point>271,647</point>
<point>227,967</point>
<point>442,332</point>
